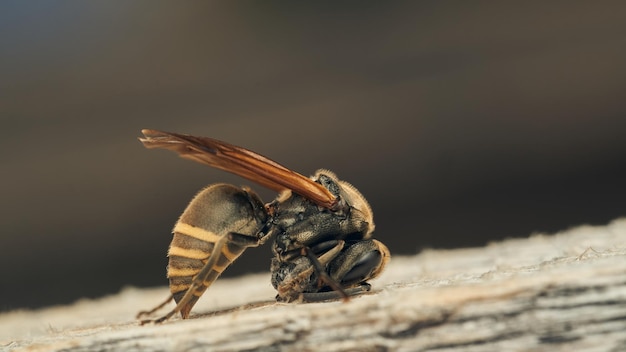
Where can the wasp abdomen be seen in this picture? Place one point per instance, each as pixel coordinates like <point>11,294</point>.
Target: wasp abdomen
<point>214,213</point>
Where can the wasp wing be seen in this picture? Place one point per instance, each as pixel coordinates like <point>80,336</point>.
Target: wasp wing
<point>239,161</point>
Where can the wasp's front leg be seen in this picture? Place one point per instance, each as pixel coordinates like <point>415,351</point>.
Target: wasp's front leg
<point>303,273</point>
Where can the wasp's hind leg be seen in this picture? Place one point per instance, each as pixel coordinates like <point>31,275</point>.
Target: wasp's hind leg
<point>319,267</point>
<point>198,281</point>
<point>311,297</point>
<point>203,278</point>
<point>151,311</point>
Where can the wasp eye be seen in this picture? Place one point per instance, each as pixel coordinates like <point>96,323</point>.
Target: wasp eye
<point>329,184</point>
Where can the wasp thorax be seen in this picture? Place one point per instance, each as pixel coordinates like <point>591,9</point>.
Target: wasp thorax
<point>299,222</point>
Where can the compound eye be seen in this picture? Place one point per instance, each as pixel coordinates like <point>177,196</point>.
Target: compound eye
<point>329,184</point>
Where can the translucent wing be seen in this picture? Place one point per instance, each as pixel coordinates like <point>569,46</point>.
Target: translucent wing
<point>239,161</point>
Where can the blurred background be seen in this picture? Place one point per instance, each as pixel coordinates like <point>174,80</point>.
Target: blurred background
<point>461,122</point>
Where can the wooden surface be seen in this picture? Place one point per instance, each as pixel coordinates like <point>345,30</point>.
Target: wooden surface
<point>549,292</point>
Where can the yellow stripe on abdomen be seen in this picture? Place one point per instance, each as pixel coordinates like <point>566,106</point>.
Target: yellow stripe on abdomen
<point>196,232</point>
<point>187,253</point>
<point>178,272</point>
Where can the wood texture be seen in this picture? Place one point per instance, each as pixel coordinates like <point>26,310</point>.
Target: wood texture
<point>549,292</point>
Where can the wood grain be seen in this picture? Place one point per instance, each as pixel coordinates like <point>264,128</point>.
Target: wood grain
<point>565,291</point>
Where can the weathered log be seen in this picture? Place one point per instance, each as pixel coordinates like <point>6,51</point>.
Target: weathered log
<point>557,292</point>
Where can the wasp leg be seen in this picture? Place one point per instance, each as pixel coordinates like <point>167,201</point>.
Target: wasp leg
<point>151,311</point>
<point>319,267</point>
<point>197,282</point>
<point>200,279</point>
<point>293,277</point>
<point>311,297</point>
<point>244,240</point>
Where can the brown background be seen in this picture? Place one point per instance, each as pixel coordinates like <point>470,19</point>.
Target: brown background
<point>461,122</point>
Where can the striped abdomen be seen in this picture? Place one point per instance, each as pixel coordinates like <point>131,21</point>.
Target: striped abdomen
<point>189,252</point>
<point>215,212</point>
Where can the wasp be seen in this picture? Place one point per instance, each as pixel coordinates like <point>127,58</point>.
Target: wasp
<point>322,228</point>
